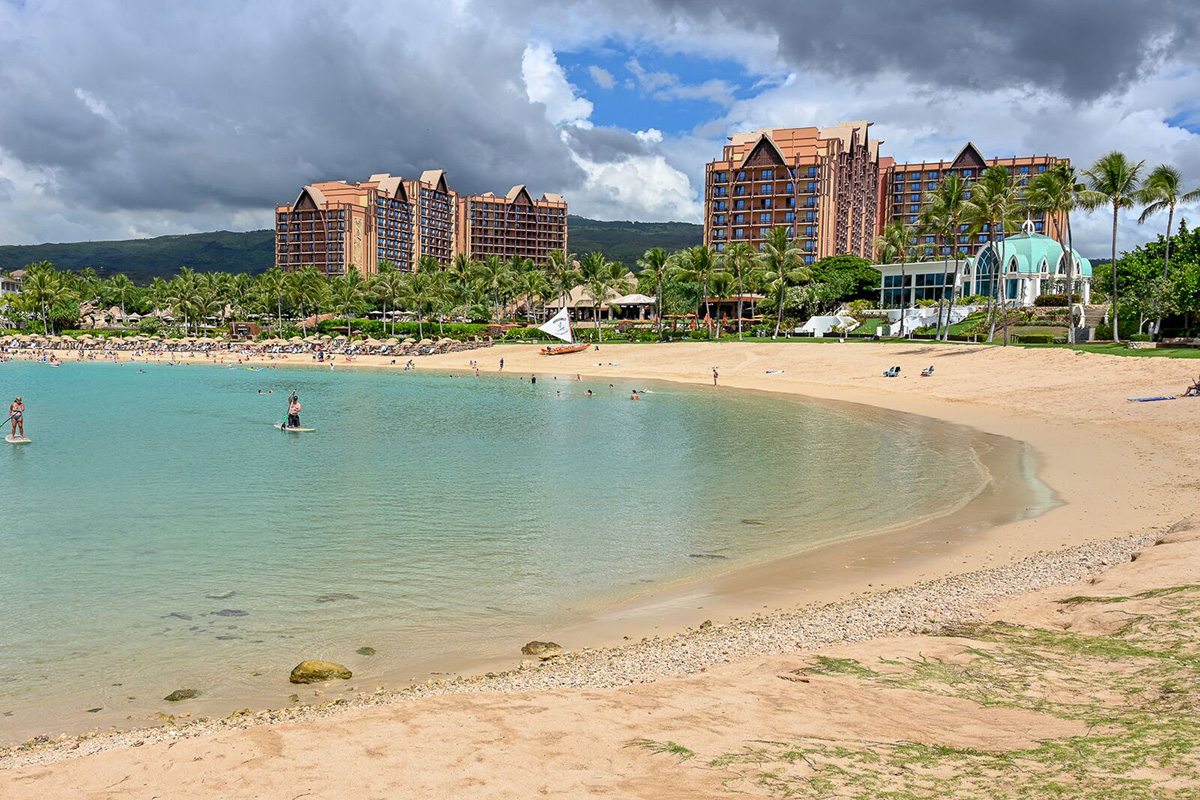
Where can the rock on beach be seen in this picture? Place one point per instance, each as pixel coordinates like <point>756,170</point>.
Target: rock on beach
<point>317,671</point>
<point>182,694</point>
<point>542,650</point>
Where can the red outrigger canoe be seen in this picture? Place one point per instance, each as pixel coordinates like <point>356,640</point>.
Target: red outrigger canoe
<point>562,350</point>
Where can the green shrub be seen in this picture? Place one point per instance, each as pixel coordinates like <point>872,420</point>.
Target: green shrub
<point>1037,338</point>
<point>383,330</point>
<point>1104,331</point>
<point>1140,337</point>
<point>1056,299</point>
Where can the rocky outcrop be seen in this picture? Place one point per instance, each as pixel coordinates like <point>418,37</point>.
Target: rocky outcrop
<point>317,671</point>
<point>542,650</point>
<point>182,694</point>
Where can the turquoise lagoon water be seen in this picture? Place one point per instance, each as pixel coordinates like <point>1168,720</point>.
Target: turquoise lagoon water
<point>160,534</point>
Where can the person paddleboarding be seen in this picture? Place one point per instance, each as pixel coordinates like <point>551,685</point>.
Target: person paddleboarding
<point>293,416</point>
<point>16,413</point>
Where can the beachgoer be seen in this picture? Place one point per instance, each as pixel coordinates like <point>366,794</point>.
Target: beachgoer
<point>714,376</point>
<point>502,365</point>
<point>589,393</point>
<point>17,413</point>
<point>634,395</point>
<point>293,420</point>
<point>532,380</point>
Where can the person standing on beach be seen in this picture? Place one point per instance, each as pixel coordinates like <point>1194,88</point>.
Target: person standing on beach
<point>502,365</point>
<point>17,414</point>
<point>714,376</point>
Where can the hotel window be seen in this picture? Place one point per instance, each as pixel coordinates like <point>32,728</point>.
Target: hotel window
<point>912,219</point>
<point>739,233</point>
<point>809,216</point>
<point>739,219</point>
<point>812,186</point>
<point>719,219</point>
<point>928,240</point>
<point>914,208</point>
<point>1024,170</point>
<point>810,259</point>
<point>933,174</point>
<point>967,173</point>
<point>899,177</point>
<point>812,172</point>
<point>791,187</point>
<point>791,202</point>
<point>1042,168</point>
<point>811,230</point>
<point>768,175</point>
<point>741,176</point>
<point>789,216</point>
<point>766,188</point>
<point>916,198</point>
<point>720,205</point>
<point>739,204</point>
<point>765,218</point>
<point>739,191</point>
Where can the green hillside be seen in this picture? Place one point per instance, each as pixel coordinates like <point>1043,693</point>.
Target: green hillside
<point>252,251</point>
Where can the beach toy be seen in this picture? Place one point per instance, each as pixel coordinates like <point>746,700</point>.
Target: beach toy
<point>17,439</point>
<point>1149,399</point>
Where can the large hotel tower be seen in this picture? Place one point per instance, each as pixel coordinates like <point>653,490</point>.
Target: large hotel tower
<point>822,183</point>
<point>337,226</point>
<point>905,190</point>
<point>833,191</point>
<point>512,225</point>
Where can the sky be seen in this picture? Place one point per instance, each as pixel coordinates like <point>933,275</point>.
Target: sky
<point>131,118</point>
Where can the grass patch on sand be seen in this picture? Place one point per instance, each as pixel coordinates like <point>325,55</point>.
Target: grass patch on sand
<point>1137,690</point>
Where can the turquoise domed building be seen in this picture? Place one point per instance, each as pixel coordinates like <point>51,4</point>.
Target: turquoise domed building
<point>1032,265</point>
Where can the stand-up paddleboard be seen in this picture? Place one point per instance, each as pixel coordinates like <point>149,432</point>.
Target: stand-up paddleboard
<point>281,427</point>
<point>17,439</point>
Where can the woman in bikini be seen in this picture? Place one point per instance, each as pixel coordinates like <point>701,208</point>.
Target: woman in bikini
<point>17,410</point>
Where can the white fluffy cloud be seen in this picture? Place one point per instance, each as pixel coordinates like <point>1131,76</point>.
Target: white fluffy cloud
<point>602,77</point>
<point>546,83</point>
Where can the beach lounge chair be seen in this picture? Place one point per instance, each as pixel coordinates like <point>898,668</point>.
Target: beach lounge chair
<point>925,373</point>
<point>893,372</point>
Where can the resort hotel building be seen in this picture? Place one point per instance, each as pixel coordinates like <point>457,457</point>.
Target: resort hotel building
<point>821,183</point>
<point>337,226</point>
<point>906,189</point>
<point>512,225</point>
<point>1019,268</point>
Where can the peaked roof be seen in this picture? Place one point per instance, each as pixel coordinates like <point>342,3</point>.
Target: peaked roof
<point>764,148</point>
<point>437,177</point>
<point>314,194</point>
<point>515,192</point>
<point>391,184</point>
<point>969,158</point>
<point>552,198</point>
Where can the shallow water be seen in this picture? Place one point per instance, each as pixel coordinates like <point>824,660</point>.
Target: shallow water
<point>160,534</point>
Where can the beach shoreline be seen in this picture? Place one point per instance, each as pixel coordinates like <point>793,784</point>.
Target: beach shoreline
<point>1019,394</point>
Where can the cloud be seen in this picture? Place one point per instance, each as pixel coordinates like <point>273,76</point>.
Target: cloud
<point>602,77</point>
<point>668,86</point>
<point>546,83</point>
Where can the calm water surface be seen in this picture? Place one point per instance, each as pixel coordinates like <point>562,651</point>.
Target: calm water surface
<point>161,534</point>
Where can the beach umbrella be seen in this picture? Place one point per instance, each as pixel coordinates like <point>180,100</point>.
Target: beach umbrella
<point>295,340</point>
<point>425,342</point>
<point>372,342</point>
<point>325,337</point>
<point>410,341</point>
<point>392,342</point>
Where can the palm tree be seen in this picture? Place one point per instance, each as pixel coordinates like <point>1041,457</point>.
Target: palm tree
<point>272,287</point>
<point>561,269</point>
<point>44,287</point>
<point>892,246</point>
<point>602,279</point>
<point>308,289</point>
<point>995,206</point>
<point>654,266</point>
<point>1163,190</point>
<point>493,277</point>
<point>740,258</point>
<point>530,284</point>
<point>1115,180</point>
<point>389,286</point>
<point>944,212</point>
<point>120,286</point>
<point>1055,194</point>
<point>698,265</point>
<point>781,263</point>
<point>348,291</point>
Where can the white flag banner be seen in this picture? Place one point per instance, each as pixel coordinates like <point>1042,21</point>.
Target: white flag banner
<point>559,326</point>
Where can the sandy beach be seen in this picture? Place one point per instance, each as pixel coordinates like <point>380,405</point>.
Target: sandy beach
<point>714,670</point>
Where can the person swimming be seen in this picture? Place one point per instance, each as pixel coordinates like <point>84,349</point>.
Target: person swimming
<point>17,415</point>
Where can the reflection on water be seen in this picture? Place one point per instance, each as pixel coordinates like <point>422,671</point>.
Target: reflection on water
<point>160,533</point>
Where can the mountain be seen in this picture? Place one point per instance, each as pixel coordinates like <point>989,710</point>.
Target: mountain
<point>252,251</point>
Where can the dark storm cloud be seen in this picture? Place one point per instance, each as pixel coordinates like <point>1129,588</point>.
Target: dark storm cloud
<point>140,105</point>
<point>605,143</point>
<point>1079,48</point>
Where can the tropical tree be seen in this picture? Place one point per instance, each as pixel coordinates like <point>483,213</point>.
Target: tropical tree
<point>740,259</point>
<point>1113,180</point>
<point>389,286</point>
<point>563,272</point>
<point>781,263</point>
<point>943,213</point>
<point>995,207</point>
<point>602,279</point>
<point>120,286</point>
<point>44,287</point>
<point>308,289</point>
<point>493,277</point>
<point>655,264</point>
<point>1162,191</point>
<point>1055,193</point>
<point>531,284</point>
<point>272,288</point>
<point>698,264</point>
<point>894,245</point>
<point>347,295</point>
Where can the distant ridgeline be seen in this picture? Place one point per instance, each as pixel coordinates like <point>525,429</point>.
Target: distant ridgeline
<point>253,251</point>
